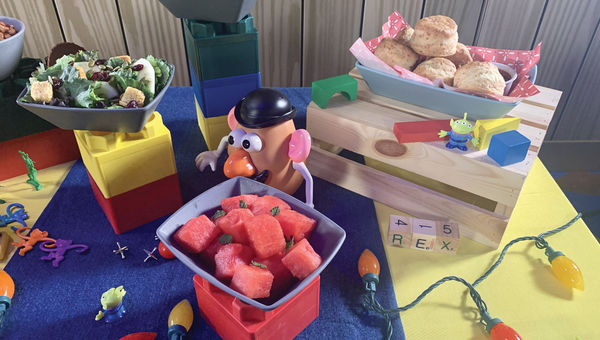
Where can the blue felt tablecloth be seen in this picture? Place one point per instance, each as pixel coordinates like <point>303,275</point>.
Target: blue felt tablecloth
<point>60,303</point>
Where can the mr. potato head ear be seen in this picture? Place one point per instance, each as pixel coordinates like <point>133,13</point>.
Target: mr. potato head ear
<point>299,147</point>
<point>231,121</point>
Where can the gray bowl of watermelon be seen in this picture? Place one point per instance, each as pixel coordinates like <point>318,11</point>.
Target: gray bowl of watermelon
<point>192,246</point>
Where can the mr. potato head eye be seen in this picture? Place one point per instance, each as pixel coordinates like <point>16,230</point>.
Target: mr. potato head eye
<point>235,137</point>
<point>251,142</point>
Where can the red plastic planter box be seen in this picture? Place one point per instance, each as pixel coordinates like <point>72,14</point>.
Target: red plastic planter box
<point>139,206</point>
<point>234,319</point>
<point>46,149</point>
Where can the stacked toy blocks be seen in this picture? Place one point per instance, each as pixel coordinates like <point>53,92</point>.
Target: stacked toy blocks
<point>236,320</point>
<point>133,175</point>
<point>426,235</point>
<point>508,147</point>
<point>224,67</point>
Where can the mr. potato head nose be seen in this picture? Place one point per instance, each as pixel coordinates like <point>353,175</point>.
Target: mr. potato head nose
<point>259,142</point>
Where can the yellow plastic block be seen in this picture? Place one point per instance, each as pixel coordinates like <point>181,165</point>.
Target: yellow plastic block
<point>119,161</point>
<point>486,128</point>
<point>213,128</point>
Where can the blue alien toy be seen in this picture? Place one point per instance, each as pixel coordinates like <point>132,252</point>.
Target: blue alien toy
<point>460,134</point>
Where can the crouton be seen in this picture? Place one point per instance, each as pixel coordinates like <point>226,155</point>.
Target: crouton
<point>81,72</point>
<point>41,91</point>
<point>125,57</point>
<point>131,93</point>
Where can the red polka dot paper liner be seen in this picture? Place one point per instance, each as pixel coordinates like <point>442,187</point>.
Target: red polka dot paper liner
<point>521,61</point>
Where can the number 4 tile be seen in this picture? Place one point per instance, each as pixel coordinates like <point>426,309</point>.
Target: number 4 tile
<point>399,231</point>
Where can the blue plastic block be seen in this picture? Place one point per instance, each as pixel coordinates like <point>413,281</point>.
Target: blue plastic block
<point>217,96</point>
<point>508,147</point>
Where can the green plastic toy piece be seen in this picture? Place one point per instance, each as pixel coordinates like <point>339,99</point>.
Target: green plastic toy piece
<point>110,299</point>
<point>324,89</point>
<point>31,171</point>
<point>460,134</point>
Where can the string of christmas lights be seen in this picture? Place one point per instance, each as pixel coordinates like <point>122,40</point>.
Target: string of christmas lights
<point>564,269</point>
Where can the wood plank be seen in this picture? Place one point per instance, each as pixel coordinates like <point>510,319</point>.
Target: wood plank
<point>377,11</point>
<point>509,24</point>
<point>358,127</point>
<point>580,119</point>
<point>563,50</point>
<point>464,12</point>
<point>548,98</point>
<point>280,37</point>
<point>93,24</point>
<point>330,28</point>
<point>476,223</point>
<point>151,29</point>
<point>42,29</point>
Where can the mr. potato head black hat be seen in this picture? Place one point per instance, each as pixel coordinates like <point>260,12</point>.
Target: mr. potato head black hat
<point>262,108</point>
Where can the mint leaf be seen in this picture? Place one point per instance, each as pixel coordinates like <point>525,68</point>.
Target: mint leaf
<point>243,205</point>
<point>225,239</point>
<point>289,244</point>
<point>275,211</point>
<point>218,214</point>
<point>254,263</point>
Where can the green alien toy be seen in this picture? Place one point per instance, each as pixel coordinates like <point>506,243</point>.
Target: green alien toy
<point>460,134</point>
<point>112,304</point>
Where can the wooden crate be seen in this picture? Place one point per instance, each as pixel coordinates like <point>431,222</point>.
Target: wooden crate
<point>424,179</point>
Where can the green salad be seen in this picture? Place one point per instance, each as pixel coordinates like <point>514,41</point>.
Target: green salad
<point>84,80</point>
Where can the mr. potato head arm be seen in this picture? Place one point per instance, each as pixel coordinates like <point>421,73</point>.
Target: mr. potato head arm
<point>264,144</point>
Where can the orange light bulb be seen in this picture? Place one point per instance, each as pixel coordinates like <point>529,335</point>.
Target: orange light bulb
<point>7,286</point>
<point>368,263</point>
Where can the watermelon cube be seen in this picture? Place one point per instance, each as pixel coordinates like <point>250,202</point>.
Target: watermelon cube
<point>295,224</point>
<point>301,259</point>
<point>282,277</point>
<point>208,255</point>
<point>252,281</point>
<point>265,236</point>
<point>197,234</point>
<point>264,204</point>
<point>234,224</point>
<point>231,203</point>
<point>229,257</point>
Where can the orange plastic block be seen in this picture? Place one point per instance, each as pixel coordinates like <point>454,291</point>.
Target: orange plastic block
<point>233,319</point>
<point>139,206</point>
<point>46,149</point>
<point>421,131</point>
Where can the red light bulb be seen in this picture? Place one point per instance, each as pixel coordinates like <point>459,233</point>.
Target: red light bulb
<point>501,331</point>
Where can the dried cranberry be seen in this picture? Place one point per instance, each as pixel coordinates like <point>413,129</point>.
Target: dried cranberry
<point>101,76</point>
<point>100,61</point>
<point>56,83</point>
<point>100,105</point>
<point>137,67</point>
<point>71,63</point>
<point>132,104</point>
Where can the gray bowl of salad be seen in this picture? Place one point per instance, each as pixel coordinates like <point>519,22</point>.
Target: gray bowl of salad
<point>83,92</point>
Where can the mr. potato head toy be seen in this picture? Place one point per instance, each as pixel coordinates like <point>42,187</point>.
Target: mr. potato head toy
<point>264,144</point>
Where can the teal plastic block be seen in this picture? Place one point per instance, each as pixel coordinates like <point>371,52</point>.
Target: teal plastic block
<point>219,50</point>
<point>324,89</point>
<point>508,147</point>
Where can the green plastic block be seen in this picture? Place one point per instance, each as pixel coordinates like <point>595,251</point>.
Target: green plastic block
<point>324,89</point>
<point>218,50</point>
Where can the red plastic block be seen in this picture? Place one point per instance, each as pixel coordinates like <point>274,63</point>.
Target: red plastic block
<point>46,148</point>
<point>139,206</point>
<point>233,319</point>
<point>422,131</point>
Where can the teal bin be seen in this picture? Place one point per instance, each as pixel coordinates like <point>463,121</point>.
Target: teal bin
<point>219,50</point>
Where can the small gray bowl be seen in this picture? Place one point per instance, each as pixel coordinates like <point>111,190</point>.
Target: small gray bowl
<point>11,48</point>
<point>110,120</point>
<point>326,238</point>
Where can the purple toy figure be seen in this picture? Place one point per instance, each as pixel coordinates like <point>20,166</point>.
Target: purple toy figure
<point>58,254</point>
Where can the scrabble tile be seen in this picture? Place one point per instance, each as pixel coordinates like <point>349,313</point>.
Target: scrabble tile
<point>447,237</point>
<point>399,231</point>
<point>424,234</point>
